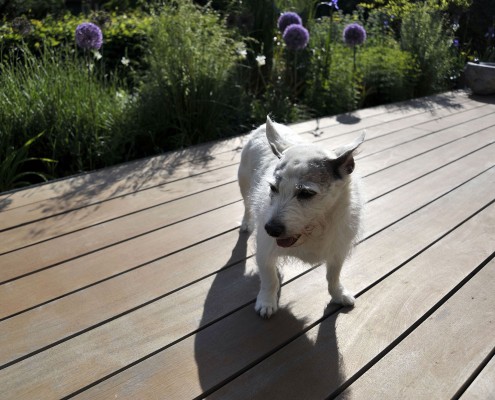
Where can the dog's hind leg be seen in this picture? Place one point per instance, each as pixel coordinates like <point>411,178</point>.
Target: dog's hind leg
<point>247,225</point>
<point>338,292</point>
<point>245,186</point>
<point>267,299</point>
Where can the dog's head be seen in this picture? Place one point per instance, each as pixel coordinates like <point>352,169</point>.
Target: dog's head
<point>306,184</point>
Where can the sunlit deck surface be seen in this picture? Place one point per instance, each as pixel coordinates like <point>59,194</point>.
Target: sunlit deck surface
<point>134,282</point>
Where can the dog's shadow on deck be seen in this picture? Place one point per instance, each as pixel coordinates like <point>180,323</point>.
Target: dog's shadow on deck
<point>238,354</point>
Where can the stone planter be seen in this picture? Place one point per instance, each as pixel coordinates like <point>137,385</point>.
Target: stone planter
<point>480,78</point>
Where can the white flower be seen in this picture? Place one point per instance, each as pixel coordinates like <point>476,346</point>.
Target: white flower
<point>242,52</point>
<point>261,60</point>
<point>125,61</point>
<point>97,55</point>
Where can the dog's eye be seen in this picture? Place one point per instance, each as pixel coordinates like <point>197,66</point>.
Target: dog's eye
<point>305,194</point>
<point>273,188</point>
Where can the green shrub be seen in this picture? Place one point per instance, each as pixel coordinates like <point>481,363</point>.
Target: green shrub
<point>389,74</point>
<point>425,35</point>
<point>56,93</point>
<point>399,8</point>
<point>191,93</point>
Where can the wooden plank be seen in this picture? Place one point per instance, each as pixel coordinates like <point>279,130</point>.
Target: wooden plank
<point>442,144</point>
<point>83,191</point>
<point>129,177</point>
<point>451,100</point>
<point>408,135</point>
<point>415,167</point>
<point>239,340</point>
<point>470,116</point>
<point>380,126</point>
<point>418,193</point>
<point>117,206</point>
<point>123,256</point>
<point>483,387</point>
<point>442,353</point>
<point>431,105</point>
<point>58,321</point>
<point>124,236</point>
<point>453,127</point>
<point>82,359</point>
<point>140,222</point>
<point>39,288</point>
<point>465,117</point>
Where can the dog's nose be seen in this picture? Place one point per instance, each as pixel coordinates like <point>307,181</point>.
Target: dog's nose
<point>274,228</point>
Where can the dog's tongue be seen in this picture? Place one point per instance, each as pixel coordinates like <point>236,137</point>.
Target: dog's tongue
<point>287,242</point>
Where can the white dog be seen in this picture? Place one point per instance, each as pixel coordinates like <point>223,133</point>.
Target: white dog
<point>304,203</point>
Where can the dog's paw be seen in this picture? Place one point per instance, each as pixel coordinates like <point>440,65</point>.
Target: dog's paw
<point>266,306</point>
<point>246,226</point>
<point>345,299</point>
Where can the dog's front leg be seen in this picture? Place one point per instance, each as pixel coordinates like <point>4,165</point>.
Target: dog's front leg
<point>266,258</point>
<point>339,293</point>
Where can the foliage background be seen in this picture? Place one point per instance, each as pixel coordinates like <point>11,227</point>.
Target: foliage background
<point>171,74</point>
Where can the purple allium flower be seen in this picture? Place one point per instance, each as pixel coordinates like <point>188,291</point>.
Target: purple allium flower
<point>89,36</point>
<point>296,37</point>
<point>288,18</point>
<point>354,34</point>
<point>332,4</point>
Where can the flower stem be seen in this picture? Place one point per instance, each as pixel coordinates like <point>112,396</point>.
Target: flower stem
<point>295,75</point>
<point>354,60</point>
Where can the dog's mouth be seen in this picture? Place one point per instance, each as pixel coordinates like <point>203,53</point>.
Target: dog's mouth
<point>288,242</point>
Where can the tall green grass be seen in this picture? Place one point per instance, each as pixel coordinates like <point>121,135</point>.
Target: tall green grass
<point>14,166</point>
<point>191,92</point>
<point>64,96</point>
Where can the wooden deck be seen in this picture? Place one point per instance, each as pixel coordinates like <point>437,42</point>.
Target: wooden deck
<point>134,282</point>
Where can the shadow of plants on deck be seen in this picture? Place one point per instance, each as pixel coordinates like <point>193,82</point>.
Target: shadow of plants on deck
<point>118,183</point>
<point>431,103</point>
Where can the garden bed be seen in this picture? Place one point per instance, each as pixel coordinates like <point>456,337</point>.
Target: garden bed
<point>169,76</point>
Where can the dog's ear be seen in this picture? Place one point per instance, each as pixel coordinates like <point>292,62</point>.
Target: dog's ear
<point>277,143</point>
<point>344,164</point>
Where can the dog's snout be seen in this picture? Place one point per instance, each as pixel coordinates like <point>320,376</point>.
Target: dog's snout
<point>274,228</point>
